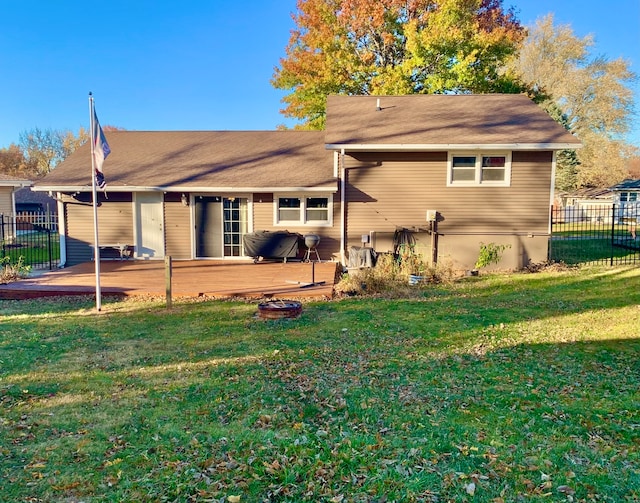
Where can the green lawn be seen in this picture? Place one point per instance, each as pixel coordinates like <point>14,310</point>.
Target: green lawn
<point>35,249</point>
<point>502,388</point>
<point>596,250</point>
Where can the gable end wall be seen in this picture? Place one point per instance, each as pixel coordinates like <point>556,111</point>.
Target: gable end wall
<point>389,191</point>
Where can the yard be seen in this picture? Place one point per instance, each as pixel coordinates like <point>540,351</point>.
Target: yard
<point>501,388</point>
<point>601,242</point>
<point>35,249</point>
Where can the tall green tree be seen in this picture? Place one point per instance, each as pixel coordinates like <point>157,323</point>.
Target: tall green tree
<point>591,94</point>
<point>394,47</point>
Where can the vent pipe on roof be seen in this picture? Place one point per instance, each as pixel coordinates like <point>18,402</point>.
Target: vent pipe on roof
<point>378,105</point>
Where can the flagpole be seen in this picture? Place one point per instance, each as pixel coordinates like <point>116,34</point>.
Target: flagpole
<point>96,247</point>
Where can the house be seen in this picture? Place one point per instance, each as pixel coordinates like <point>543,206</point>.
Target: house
<point>588,204</point>
<point>9,185</point>
<point>584,196</point>
<point>28,201</point>
<point>627,203</point>
<point>481,166</point>
<point>626,192</point>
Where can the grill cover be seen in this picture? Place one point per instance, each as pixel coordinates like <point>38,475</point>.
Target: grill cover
<point>267,244</point>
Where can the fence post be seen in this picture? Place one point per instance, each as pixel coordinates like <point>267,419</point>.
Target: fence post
<point>550,241</point>
<point>50,246</point>
<point>613,232</point>
<point>167,277</point>
<point>2,233</point>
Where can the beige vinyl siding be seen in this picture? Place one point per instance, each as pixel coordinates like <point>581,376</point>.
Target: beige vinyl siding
<point>387,191</point>
<point>263,211</point>
<point>521,207</point>
<point>115,224</point>
<point>177,226</point>
<point>390,191</point>
<point>6,205</point>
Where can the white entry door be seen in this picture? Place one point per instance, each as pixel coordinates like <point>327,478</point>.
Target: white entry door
<point>149,225</point>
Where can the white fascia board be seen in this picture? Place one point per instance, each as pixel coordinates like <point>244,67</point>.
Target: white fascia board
<point>439,147</point>
<point>15,183</point>
<point>87,188</point>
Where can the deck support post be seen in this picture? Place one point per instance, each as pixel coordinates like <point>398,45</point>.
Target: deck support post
<point>167,276</point>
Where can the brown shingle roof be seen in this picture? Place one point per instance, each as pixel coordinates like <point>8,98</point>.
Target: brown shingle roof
<point>12,181</point>
<point>448,120</point>
<point>233,160</point>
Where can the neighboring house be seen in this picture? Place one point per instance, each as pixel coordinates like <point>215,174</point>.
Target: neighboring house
<point>627,192</point>
<point>28,201</point>
<point>584,205</point>
<point>484,163</point>
<point>8,187</point>
<point>585,196</point>
<point>627,201</point>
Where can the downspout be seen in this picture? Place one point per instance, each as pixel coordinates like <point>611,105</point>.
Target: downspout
<point>553,189</point>
<point>62,231</point>
<point>14,215</point>
<point>13,201</point>
<point>343,214</point>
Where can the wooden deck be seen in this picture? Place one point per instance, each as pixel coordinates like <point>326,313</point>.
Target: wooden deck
<point>215,279</point>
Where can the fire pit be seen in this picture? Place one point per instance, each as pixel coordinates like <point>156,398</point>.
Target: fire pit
<point>275,309</point>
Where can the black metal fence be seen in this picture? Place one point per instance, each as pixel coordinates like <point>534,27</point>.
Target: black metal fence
<point>595,233</point>
<point>31,238</point>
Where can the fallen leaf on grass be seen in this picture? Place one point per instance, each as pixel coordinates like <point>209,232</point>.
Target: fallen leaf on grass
<point>233,499</point>
<point>471,488</point>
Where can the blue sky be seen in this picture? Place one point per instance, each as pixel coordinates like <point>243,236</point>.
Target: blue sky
<point>195,64</point>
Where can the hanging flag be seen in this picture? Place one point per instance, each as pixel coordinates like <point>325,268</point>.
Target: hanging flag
<point>100,151</point>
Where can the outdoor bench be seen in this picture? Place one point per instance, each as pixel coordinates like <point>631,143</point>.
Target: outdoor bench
<point>124,251</point>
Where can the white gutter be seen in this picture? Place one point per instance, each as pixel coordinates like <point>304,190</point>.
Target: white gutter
<point>553,189</point>
<point>343,213</point>
<point>15,183</point>
<point>438,147</point>
<point>179,188</point>
<point>62,231</point>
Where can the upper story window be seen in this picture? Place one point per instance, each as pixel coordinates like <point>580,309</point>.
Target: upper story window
<point>314,210</point>
<point>630,197</point>
<point>468,169</point>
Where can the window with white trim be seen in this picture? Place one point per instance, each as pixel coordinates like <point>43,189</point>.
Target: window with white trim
<point>303,210</point>
<point>288,209</point>
<point>630,197</point>
<point>479,168</point>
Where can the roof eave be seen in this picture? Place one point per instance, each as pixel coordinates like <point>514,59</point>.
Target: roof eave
<point>15,183</point>
<point>438,147</point>
<point>87,188</point>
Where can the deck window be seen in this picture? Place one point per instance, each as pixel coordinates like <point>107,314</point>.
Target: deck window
<point>314,210</point>
<point>470,169</point>
<point>317,209</point>
<point>288,209</point>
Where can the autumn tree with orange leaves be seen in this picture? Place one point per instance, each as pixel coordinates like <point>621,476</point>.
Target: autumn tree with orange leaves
<point>394,47</point>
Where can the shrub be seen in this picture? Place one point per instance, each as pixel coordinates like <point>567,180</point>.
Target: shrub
<point>390,276</point>
<point>490,253</point>
<point>12,272</point>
